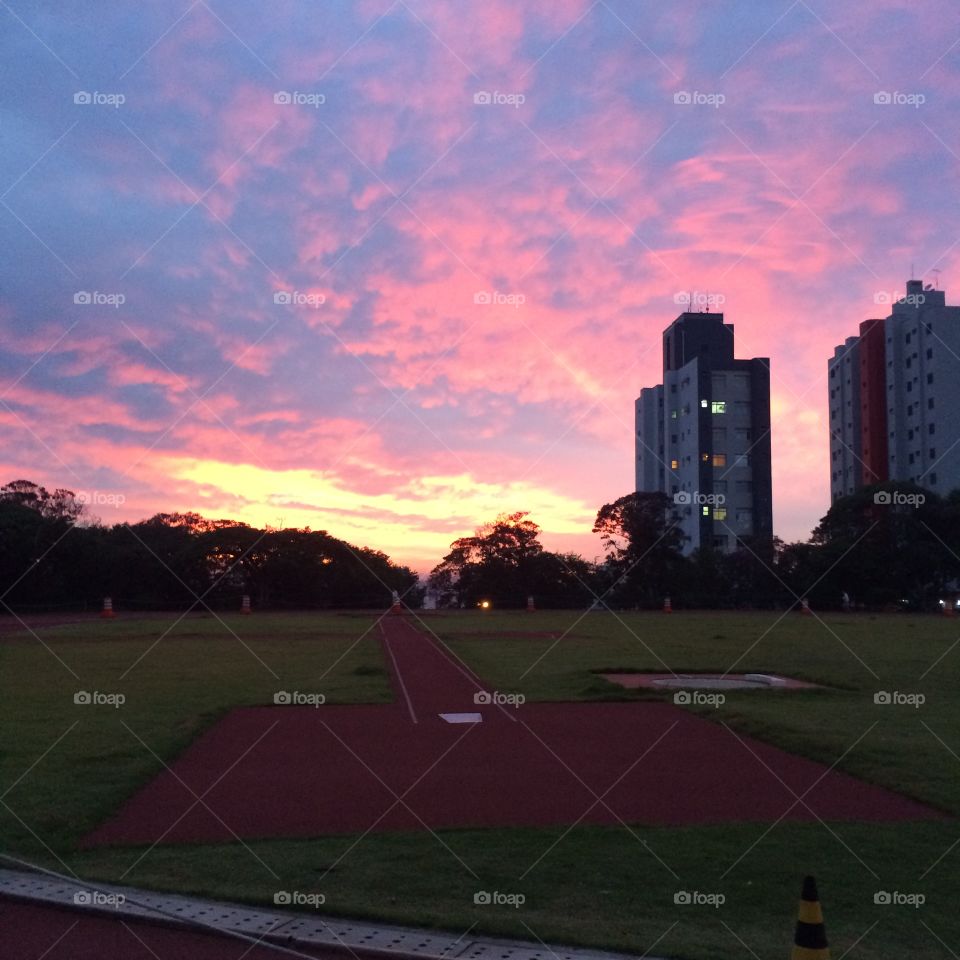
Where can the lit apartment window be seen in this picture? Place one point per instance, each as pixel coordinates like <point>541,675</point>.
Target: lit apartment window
<point>718,406</point>
<point>704,404</point>
<point>719,459</point>
<point>719,513</point>
<point>706,511</point>
<point>674,464</point>
<point>673,414</point>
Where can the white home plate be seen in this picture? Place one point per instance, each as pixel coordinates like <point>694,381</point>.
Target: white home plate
<point>462,717</point>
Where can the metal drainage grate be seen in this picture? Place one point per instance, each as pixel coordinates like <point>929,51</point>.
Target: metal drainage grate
<point>289,928</point>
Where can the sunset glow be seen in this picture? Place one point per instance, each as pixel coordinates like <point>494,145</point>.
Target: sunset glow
<point>390,269</point>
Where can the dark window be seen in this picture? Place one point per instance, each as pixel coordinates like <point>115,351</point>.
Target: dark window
<point>933,478</point>
<point>929,378</point>
<point>930,429</point>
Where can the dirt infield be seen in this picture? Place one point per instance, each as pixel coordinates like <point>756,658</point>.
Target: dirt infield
<point>283,771</point>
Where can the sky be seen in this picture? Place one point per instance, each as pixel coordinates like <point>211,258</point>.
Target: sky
<point>390,268</point>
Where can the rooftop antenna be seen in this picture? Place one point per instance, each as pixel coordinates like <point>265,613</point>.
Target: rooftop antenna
<point>912,277</point>
<point>936,277</point>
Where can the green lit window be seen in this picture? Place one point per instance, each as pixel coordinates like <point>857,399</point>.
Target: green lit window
<point>718,406</point>
<point>719,513</point>
<point>706,511</point>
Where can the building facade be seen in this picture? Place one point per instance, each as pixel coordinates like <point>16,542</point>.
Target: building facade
<point>895,397</point>
<point>703,435</point>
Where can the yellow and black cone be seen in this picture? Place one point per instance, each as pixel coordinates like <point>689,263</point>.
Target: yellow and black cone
<point>810,940</point>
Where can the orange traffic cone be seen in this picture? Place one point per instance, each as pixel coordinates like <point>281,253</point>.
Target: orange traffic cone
<point>667,605</point>
<point>245,605</point>
<point>810,939</point>
<point>805,607</point>
<point>531,608</point>
<point>107,612</point>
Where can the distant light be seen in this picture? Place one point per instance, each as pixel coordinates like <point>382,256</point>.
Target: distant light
<point>326,560</point>
<point>484,604</point>
<point>704,404</point>
<point>942,603</point>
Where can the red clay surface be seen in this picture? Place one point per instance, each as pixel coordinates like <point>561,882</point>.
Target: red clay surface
<point>31,932</point>
<point>284,771</point>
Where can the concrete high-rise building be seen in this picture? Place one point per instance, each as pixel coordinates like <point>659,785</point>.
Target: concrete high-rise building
<point>703,435</point>
<point>895,397</point>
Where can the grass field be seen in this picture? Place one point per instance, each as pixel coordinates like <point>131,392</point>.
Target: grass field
<point>600,886</point>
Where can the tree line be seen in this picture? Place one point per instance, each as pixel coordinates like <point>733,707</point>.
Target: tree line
<point>889,546</point>
<point>53,557</point>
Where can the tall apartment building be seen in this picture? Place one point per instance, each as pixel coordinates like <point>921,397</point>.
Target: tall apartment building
<point>703,435</point>
<point>895,397</point>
